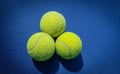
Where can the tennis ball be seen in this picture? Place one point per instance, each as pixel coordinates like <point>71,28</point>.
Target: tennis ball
<point>68,45</point>
<point>53,23</point>
<point>41,46</point>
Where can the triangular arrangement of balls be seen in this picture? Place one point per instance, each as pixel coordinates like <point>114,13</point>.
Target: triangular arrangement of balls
<point>41,46</point>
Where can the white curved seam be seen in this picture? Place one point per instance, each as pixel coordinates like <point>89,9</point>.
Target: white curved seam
<point>67,48</point>
<point>36,43</point>
<point>59,30</point>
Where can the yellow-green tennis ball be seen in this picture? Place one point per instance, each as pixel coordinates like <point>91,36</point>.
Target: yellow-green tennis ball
<point>68,45</point>
<point>41,46</point>
<point>53,23</point>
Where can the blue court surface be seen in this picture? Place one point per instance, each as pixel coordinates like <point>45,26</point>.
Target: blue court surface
<point>97,22</point>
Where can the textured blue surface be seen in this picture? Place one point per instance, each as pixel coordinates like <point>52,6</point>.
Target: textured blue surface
<point>97,22</point>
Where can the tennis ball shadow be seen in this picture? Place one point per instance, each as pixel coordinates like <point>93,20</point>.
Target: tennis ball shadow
<point>73,65</point>
<point>50,66</point>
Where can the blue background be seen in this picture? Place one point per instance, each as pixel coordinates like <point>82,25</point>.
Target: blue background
<point>97,22</point>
